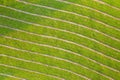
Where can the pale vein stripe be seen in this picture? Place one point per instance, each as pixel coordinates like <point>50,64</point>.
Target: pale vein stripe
<point>58,58</point>
<point>61,20</point>
<point>7,75</point>
<point>39,63</point>
<point>51,37</point>
<point>58,30</point>
<point>73,13</point>
<point>65,30</point>
<point>90,8</point>
<point>32,71</point>
<point>102,2</point>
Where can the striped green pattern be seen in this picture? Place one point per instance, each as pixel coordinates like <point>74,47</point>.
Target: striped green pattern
<point>59,39</point>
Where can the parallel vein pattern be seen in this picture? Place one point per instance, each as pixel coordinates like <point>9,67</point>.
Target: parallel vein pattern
<point>59,40</point>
